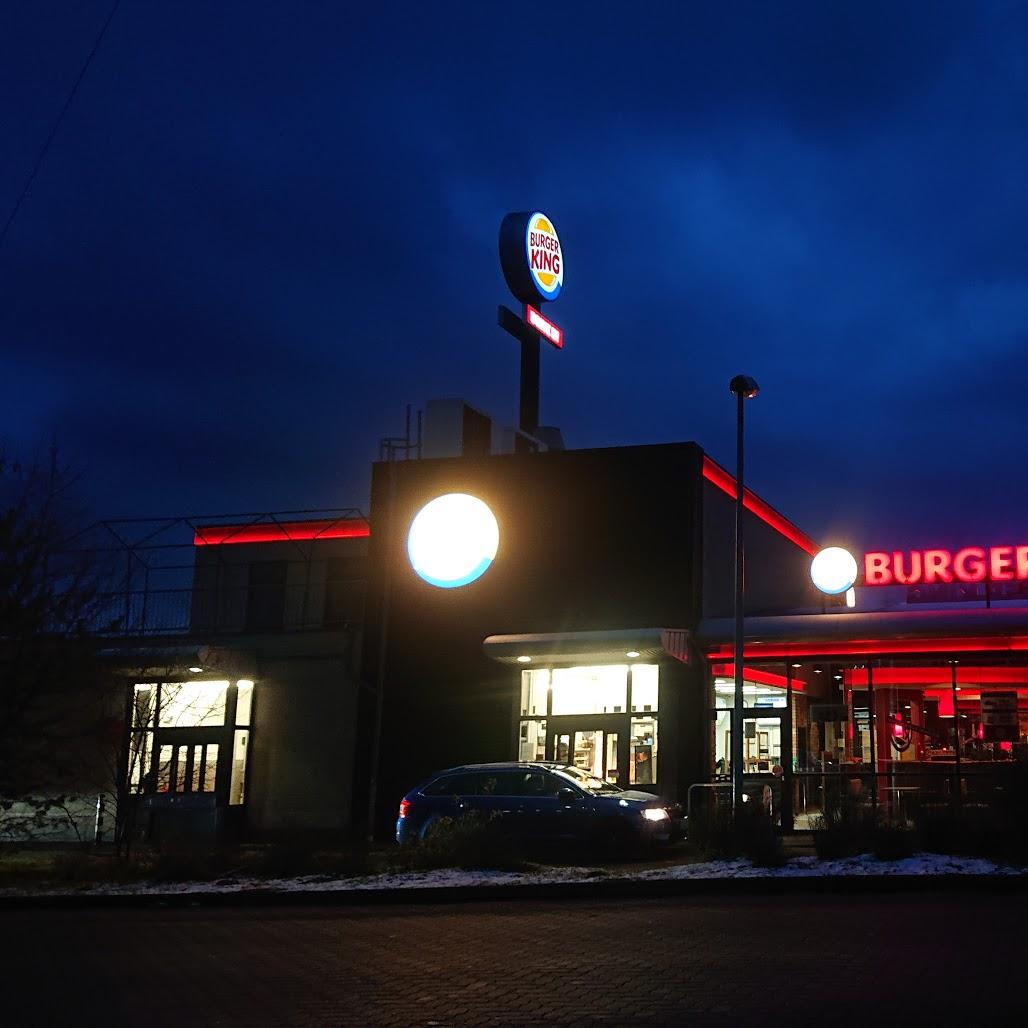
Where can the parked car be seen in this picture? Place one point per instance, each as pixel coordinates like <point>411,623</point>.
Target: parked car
<point>537,803</point>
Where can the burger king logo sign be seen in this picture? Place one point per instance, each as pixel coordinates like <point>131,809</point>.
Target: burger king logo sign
<point>531,257</point>
<point>545,261</point>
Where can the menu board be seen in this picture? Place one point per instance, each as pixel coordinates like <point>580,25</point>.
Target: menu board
<point>999,716</point>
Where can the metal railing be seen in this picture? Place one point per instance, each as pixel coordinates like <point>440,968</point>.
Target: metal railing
<point>151,579</point>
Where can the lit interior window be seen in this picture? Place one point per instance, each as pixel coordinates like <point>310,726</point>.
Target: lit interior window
<point>244,691</point>
<point>644,687</point>
<point>534,686</point>
<point>754,695</point>
<point>192,704</point>
<point>590,690</point>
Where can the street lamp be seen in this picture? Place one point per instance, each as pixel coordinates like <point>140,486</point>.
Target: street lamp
<point>743,388</point>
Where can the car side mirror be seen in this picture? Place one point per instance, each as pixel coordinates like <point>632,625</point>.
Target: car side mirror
<point>567,796</point>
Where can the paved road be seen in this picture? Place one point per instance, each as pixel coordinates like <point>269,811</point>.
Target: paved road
<point>821,960</point>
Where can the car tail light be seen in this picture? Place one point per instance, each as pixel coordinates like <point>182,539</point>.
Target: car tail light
<point>404,807</point>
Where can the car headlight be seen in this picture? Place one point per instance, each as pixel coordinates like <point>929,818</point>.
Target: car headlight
<point>655,814</point>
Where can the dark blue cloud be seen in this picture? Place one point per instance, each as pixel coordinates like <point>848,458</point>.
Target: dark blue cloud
<point>263,229</point>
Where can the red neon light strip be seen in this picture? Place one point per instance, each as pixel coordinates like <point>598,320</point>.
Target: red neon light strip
<point>284,531</point>
<point>752,674</point>
<point>968,693</point>
<point>935,675</point>
<point>875,647</point>
<point>716,474</point>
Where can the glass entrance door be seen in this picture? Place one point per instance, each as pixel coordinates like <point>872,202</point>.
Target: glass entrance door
<point>187,760</point>
<point>596,745</point>
<point>766,754</point>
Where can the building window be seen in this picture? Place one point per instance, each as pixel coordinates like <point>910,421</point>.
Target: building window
<point>642,766</point>
<point>601,718</point>
<point>532,745</point>
<point>644,688</point>
<point>192,704</point>
<point>181,732</point>
<point>535,689</point>
<point>590,690</point>
<point>266,596</point>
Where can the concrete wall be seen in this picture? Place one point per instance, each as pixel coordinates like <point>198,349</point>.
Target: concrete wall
<point>302,747</point>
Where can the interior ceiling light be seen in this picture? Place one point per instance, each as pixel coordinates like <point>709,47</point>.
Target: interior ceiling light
<point>817,670</point>
<point>524,660</point>
<point>797,665</point>
<point>632,654</point>
<point>196,670</point>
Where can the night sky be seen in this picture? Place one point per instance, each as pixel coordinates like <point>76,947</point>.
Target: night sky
<point>262,229</point>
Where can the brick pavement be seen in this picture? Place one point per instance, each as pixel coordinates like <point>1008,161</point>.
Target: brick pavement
<point>823,959</point>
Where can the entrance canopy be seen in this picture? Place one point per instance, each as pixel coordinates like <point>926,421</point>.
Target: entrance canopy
<point>645,644</point>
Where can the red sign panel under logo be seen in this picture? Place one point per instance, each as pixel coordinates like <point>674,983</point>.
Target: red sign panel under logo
<point>971,564</point>
<point>546,328</point>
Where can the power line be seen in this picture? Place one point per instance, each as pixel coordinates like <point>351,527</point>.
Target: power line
<point>56,125</point>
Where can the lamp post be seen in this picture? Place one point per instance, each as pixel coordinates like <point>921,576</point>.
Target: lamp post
<point>743,388</point>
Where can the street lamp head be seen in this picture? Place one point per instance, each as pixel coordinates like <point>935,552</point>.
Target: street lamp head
<point>744,386</point>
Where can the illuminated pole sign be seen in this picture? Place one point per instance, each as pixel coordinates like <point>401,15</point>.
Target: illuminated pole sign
<point>532,261</point>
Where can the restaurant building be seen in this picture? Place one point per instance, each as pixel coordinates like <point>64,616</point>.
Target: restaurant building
<point>274,672</point>
<point>579,639</point>
<point>598,631</point>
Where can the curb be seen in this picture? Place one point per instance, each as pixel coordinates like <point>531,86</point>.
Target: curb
<point>549,892</point>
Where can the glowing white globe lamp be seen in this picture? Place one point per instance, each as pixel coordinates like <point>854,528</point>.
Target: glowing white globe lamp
<point>833,570</point>
<point>452,540</point>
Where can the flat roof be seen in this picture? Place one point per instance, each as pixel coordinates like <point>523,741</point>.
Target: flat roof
<point>870,633</point>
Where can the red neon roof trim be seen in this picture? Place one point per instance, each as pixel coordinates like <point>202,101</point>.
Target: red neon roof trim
<point>714,473</point>
<point>875,647</point>
<point>281,531</point>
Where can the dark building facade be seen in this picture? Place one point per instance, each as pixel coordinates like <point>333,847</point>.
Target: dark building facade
<point>577,642</point>
<point>271,675</point>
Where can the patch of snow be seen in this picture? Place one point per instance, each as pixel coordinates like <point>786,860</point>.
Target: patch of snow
<point>811,867</point>
<point>798,867</point>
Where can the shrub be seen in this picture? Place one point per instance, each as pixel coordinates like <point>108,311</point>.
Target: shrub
<point>182,862</point>
<point>721,834</point>
<point>847,829</point>
<point>285,860</point>
<point>843,830</point>
<point>974,832</point>
<point>474,841</point>
<point>891,842</point>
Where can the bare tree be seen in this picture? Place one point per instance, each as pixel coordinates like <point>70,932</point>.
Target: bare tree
<point>56,710</point>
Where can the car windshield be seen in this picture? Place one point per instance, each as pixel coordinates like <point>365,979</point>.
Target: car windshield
<point>588,781</point>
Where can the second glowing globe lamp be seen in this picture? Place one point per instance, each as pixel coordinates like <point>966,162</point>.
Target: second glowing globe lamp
<point>833,570</point>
